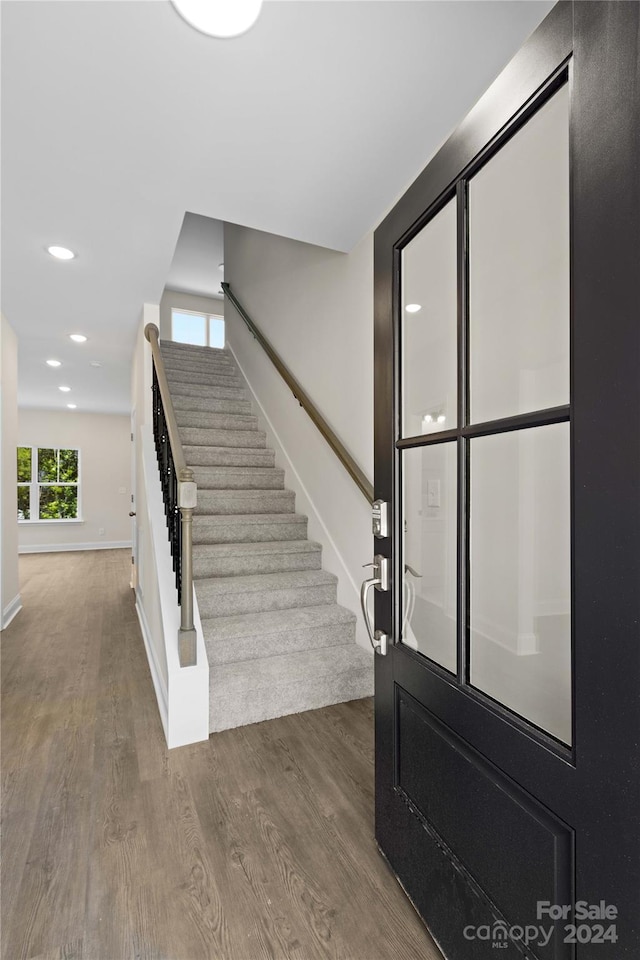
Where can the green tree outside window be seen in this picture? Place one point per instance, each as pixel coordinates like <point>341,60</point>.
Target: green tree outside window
<point>48,481</point>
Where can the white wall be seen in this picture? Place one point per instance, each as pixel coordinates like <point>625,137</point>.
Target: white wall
<point>186,301</point>
<point>10,602</point>
<point>316,308</point>
<point>105,485</point>
<point>182,693</point>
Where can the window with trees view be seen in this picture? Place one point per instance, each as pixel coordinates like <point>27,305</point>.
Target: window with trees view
<point>48,482</point>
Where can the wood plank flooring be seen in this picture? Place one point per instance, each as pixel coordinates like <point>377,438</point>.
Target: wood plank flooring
<point>257,845</point>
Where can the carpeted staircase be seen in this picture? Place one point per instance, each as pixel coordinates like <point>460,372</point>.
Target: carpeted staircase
<point>276,639</point>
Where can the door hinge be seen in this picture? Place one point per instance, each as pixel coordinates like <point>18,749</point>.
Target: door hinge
<point>131,498</point>
<point>131,438</point>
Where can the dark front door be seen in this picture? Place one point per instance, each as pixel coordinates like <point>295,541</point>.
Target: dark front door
<point>507,444</point>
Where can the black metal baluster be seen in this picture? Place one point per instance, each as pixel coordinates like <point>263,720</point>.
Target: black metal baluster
<point>168,481</point>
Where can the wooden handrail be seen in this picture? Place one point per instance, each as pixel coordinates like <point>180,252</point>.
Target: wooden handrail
<point>186,502</point>
<point>304,400</point>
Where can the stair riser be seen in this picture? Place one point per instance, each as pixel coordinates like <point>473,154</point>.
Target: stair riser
<point>231,709</point>
<point>190,350</point>
<point>252,648</point>
<point>201,437</point>
<point>214,502</point>
<point>204,532</point>
<point>228,457</point>
<point>215,604</point>
<point>246,566</point>
<point>215,421</point>
<point>228,478</point>
<point>177,363</point>
<point>206,379</point>
<point>207,390</point>
<point>210,405</point>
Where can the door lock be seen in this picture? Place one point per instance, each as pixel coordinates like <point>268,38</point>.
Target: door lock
<point>380,580</point>
<point>380,518</point>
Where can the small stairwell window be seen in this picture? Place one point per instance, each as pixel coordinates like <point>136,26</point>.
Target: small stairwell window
<point>48,484</point>
<point>199,329</point>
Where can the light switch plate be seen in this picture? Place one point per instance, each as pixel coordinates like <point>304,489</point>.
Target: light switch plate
<point>433,493</point>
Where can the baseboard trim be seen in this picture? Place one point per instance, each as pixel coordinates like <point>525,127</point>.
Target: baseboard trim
<point>11,610</point>
<point>156,676</point>
<point>64,547</point>
<point>525,645</point>
<point>553,608</point>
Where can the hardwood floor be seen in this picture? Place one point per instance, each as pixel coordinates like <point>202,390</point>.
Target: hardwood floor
<point>256,844</point>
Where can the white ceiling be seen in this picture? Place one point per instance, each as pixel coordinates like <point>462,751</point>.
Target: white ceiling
<point>117,118</point>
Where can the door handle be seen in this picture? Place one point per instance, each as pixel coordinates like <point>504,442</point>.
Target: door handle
<point>380,580</point>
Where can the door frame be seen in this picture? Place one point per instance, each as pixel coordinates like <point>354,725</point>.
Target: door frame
<point>599,790</point>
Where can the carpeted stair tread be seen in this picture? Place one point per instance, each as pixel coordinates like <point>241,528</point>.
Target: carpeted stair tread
<point>205,437</point>
<point>185,388</point>
<point>173,362</point>
<point>274,632</point>
<point>268,556</point>
<point>239,478</point>
<point>217,421</point>
<point>233,405</point>
<point>241,549</point>
<point>227,528</point>
<point>199,455</point>
<point>258,583</point>
<point>204,379</point>
<point>245,501</point>
<point>175,348</point>
<point>226,596</point>
<point>262,689</point>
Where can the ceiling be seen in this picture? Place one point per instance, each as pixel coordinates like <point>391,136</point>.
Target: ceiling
<point>117,118</point>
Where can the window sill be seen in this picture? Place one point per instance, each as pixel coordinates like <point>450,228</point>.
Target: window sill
<point>28,523</point>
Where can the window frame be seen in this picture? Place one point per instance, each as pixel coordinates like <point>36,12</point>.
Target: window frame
<point>34,485</point>
<point>199,313</point>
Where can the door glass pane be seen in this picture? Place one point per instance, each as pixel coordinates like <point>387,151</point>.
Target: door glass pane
<point>521,573</point>
<point>188,328</point>
<point>429,327</point>
<point>429,558</point>
<point>519,270</point>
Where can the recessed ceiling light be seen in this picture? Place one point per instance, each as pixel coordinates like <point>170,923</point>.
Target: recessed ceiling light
<point>95,363</point>
<point>72,406</point>
<point>219,19</point>
<point>77,337</point>
<point>413,307</point>
<point>65,389</point>
<point>53,363</point>
<point>61,253</point>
